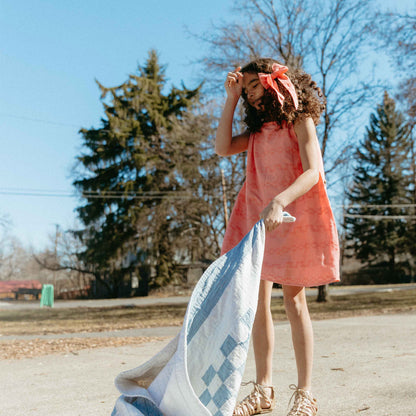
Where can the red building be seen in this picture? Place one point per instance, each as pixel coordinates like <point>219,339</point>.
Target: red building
<point>16,288</point>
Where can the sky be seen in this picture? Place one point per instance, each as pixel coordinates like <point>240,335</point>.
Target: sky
<point>51,53</point>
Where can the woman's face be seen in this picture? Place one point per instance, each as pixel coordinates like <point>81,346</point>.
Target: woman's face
<point>253,90</point>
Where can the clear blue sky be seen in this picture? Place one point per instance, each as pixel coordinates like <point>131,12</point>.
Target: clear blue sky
<point>50,54</point>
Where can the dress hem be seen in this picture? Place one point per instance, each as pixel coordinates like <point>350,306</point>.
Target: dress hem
<point>282,281</point>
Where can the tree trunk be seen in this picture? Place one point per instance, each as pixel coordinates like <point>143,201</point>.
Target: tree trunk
<point>322,294</point>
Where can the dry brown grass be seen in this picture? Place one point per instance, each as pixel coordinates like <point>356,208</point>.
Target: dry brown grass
<point>341,306</point>
<point>37,322</point>
<point>18,349</point>
<point>62,321</point>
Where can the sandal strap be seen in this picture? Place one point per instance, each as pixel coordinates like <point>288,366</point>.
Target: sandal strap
<point>260,386</point>
<point>251,404</point>
<point>304,403</point>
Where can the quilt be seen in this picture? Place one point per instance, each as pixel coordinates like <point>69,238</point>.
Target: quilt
<point>199,372</point>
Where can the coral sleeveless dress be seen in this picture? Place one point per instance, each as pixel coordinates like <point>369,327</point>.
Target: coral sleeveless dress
<point>305,252</point>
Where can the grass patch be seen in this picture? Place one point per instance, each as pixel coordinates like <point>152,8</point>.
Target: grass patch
<point>59,321</point>
<point>341,306</point>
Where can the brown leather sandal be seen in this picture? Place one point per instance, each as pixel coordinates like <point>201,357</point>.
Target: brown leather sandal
<point>251,405</point>
<point>304,404</point>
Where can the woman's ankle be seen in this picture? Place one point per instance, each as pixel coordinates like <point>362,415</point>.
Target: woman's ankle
<point>264,382</point>
<point>267,389</point>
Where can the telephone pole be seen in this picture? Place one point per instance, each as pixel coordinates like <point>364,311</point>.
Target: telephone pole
<point>224,198</point>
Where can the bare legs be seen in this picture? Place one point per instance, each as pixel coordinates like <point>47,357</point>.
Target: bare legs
<point>302,334</point>
<point>263,335</point>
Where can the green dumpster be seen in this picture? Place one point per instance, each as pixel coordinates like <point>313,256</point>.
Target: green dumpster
<point>46,298</point>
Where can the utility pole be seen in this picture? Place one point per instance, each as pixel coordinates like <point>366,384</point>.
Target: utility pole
<point>224,199</point>
<point>55,253</point>
<point>413,159</point>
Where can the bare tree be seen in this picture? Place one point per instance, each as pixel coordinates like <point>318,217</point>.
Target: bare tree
<point>6,248</point>
<point>326,39</point>
<point>4,222</point>
<point>12,258</point>
<point>397,33</point>
<point>62,262</point>
<point>261,28</point>
<point>17,262</point>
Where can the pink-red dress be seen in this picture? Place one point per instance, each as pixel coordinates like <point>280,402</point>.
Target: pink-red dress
<point>305,252</point>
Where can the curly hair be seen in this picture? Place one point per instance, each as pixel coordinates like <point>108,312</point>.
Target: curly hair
<point>311,100</point>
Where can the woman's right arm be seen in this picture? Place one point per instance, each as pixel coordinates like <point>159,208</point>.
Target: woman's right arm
<point>225,143</point>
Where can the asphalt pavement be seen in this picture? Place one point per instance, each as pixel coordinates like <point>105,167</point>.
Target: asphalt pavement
<point>363,366</point>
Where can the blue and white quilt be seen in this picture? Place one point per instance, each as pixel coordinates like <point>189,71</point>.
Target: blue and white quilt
<point>199,372</point>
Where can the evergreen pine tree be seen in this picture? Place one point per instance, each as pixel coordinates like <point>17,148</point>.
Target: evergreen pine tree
<point>374,228</point>
<point>137,176</point>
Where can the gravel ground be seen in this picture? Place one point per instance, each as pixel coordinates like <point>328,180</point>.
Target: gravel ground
<point>19,349</point>
<point>363,366</point>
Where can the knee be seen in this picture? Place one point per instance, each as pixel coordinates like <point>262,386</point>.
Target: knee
<point>295,306</point>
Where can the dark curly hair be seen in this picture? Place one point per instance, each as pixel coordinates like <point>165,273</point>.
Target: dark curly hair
<point>311,100</point>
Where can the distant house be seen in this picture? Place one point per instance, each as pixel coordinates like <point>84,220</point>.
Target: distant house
<point>80,293</point>
<point>15,288</point>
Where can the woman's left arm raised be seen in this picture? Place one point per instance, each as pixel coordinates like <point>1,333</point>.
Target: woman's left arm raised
<point>310,157</point>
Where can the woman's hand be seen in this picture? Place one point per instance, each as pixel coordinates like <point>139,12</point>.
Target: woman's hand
<point>234,84</point>
<point>272,215</point>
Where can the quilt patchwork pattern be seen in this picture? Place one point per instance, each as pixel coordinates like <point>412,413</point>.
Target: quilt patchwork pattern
<point>224,376</point>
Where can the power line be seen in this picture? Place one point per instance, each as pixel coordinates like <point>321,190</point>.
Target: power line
<point>98,192</point>
<point>55,194</point>
<point>147,195</point>
<point>381,217</point>
<point>38,120</point>
<point>135,196</point>
<point>377,206</point>
<point>99,195</point>
<point>57,123</point>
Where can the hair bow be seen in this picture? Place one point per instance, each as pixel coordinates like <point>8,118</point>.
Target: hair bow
<point>268,81</point>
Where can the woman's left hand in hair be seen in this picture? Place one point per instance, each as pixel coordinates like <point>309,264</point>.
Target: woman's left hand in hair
<point>272,215</point>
